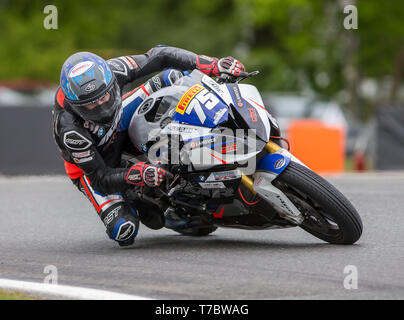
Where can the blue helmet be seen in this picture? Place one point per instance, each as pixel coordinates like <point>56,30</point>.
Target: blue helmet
<point>90,88</point>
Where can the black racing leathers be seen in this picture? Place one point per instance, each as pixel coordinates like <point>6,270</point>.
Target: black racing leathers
<point>97,150</point>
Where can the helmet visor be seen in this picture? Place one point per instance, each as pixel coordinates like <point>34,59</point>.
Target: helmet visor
<point>102,110</point>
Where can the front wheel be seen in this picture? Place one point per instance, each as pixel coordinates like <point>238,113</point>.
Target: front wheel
<point>328,214</point>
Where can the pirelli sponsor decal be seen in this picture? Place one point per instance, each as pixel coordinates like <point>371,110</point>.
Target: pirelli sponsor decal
<point>187,97</point>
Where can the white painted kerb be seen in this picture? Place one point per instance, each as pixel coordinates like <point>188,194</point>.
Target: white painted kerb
<point>65,292</point>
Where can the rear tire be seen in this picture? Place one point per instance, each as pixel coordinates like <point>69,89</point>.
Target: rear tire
<point>197,232</point>
<point>329,215</point>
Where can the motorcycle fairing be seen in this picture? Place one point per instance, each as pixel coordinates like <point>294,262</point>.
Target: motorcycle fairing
<point>248,104</point>
<point>268,168</point>
<point>274,163</point>
<point>220,89</point>
<point>159,117</point>
<point>264,187</point>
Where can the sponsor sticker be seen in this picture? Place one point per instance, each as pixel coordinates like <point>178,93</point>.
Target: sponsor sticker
<point>220,90</point>
<point>230,147</point>
<point>83,160</point>
<point>237,95</point>
<point>279,163</point>
<point>227,175</point>
<point>132,62</point>
<point>126,230</point>
<point>253,115</point>
<point>90,87</point>
<point>224,175</point>
<point>118,66</point>
<point>81,154</point>
<point>212,185</point>
<point>187,97</point>
<point>258,181</point>
<point>113,214</point>
<point>205,141</point>
<point>135,177</point>
<point>80,68</point>
<point>75,141</point>
<point>157,82</point>
<point>219,115</point>
<point>212,84</point>
<point>173,127</point>
<point>126,62</point>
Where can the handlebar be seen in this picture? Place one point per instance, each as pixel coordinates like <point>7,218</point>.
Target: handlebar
<point>227,78</point>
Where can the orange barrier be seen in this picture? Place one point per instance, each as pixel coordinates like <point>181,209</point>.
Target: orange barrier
<point>320,147</point>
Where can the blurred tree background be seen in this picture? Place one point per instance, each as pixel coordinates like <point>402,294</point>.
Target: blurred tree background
<point>298,45</point>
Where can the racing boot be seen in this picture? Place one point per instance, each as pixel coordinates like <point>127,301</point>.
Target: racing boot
<point>173,220</point>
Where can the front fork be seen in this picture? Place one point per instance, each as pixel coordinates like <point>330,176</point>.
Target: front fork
<point>268,169</point>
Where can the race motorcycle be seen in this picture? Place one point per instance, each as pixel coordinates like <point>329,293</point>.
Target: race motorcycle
<point>228,167</point>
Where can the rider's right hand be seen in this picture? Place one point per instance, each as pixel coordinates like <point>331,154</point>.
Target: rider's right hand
<point>230,66</point>
<point>141,174</point>
<point>217,67</point>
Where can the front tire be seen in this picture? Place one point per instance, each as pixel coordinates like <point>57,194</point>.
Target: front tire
<point>329,215</point>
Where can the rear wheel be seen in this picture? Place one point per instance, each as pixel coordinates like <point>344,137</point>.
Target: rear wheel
<point>329,215</point>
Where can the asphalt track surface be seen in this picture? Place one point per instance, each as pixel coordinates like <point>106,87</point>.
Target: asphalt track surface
<point>46,221</point>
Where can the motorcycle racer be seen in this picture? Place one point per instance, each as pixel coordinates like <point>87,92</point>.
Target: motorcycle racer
<point>91,119</point>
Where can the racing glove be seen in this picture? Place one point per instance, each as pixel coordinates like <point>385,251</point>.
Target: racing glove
<point>141,174</point>
<point>215,67</point>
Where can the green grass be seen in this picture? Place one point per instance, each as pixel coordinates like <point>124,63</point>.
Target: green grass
<point>14,295</point>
